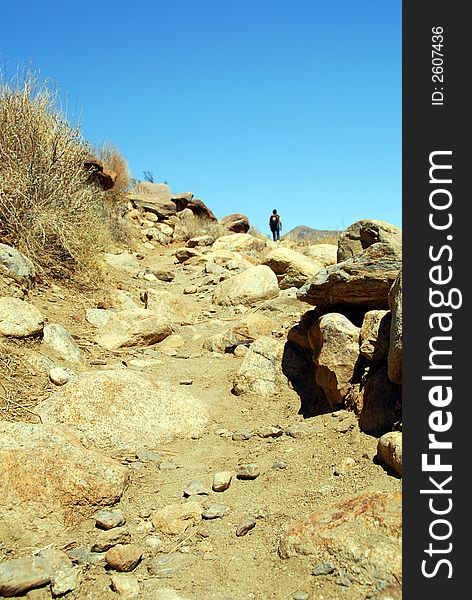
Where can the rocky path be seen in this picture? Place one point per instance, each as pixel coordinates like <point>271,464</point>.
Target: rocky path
<point>202,517</point>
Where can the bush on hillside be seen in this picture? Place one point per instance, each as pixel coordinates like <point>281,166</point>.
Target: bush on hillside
<point>47,207</point>
<point>115,199</point>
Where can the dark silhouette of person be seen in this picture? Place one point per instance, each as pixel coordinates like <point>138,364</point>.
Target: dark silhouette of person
<point>275,224</point>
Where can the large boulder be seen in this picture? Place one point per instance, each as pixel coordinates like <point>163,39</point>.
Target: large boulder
<point>46,469</point>
<point>125,410</point>
<point>248,288</point>
<point>173,307</point>
<point>365,531</point>
<point>322,253</point>
<point>364,233</point>
<point>363,281</point>
<point>244,332</point>
<point>19,318</point>
<point>395,351</point>
<point>335,343</point>
<point>239,242</point>
<point>379,404</point>
<point>236,223</point>
<point>186,200</point>
<point>294,268</point>
<point>375,336</point>
<point>17,266</point>
<point>133,327</point>
<point>260,372</point>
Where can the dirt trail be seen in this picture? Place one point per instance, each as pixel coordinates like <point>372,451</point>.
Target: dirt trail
<point>296,474</point>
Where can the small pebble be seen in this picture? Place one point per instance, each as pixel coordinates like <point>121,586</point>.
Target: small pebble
<point>248,471</point>
<point>195,488</point>
<point>270,432</point>
<point>246,525</point>
<point>145,455</point>
<point>166,566</point>
<point>323,569</point>
<point>186,382</point>
<point>280,464</point>
<point>241,436</point>
<point>167,466</point>
<point>300,596</point>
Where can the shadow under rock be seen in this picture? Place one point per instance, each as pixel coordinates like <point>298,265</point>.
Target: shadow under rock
<point>298,367</point>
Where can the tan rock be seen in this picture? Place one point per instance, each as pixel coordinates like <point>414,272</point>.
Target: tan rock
<point>18,318</point>
<point>364,530</point>
<point>335,343</point>
<point>247,288</point>
<point>173,307</point>
<point>125,409</point>
<point>174,519</point>
<point>389,451</point>
<point>364,233</point>
<point>135,327</point>
<point>124,557</point>
<point>294,268</point>
<point>237,223</point>
<point>239,242</point>
<point>47,468</point>
<point>363,280</point>
<point>260,372</point>
<point>375,335</point>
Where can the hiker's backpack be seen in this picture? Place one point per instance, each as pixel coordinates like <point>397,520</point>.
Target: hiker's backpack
<point>274,221</point>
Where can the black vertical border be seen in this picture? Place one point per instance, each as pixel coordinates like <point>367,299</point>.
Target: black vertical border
<point>427,128</point>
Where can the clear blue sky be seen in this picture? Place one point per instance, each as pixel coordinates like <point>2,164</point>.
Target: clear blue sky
<point>250,104</point>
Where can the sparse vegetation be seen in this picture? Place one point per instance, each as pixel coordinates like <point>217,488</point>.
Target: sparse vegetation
<point>192,226</point>
<point>48,208</point>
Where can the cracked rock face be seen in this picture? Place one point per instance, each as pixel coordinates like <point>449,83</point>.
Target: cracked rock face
<point>363,280</point>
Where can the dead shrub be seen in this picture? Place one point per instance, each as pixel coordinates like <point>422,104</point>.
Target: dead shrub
<point>47,208</point>
<point>189,227</point>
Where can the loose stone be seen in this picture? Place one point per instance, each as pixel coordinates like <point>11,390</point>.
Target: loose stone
<point>196,488</point>
<point>64,581</point>
<point>245,526</point>
<point>215,511</point>
<point>221,481</point>
<point>248,471</point>
<point>270,432</point>
<point>323,569</point>
<point>241,436</point>
<point>108,539</point>
<point>124,557</point>
<point>166,566</point>
<point>124,584</point>
<point>109,519</point>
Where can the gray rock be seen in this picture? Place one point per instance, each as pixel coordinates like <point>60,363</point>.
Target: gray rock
<point>196,488</point>
<point>60,375</point>
<point>323,569</point>
<point>18,318</point>
<point>64,581</point>
<point>17,266</point>
<point>168,565</point>
<point>123,262</point>
<point>242,436</point>
<point>97,316</point>
<point>23,574</point>
<point>215,511</point>
<point>109,519</point>
<point>245,526</point>
<point>248,471</point>
<point>60,341</point>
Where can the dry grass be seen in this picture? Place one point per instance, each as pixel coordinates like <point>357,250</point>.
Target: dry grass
<point>47,208</point>
<point>21,386</point>
<point>193,226</point>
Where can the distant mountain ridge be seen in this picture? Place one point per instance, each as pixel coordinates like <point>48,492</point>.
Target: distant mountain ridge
<point>301,233</point>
